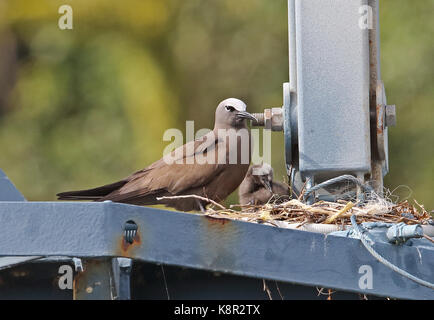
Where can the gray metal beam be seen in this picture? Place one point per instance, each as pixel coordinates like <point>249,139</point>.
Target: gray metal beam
<point>8,192</point>
<point>89,230</point>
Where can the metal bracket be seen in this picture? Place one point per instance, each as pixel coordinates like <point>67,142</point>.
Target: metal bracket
<point>121,276</point>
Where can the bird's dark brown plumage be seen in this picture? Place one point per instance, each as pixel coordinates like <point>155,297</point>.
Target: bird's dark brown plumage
<point>258,186</point>
<point>214,181</point>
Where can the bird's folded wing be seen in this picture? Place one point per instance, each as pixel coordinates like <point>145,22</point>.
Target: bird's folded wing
<point>183,154</point>
<point>174,178</point>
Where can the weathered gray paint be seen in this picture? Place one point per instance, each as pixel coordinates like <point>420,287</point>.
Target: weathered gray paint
<point>95,230</point>
<point>8,192</point>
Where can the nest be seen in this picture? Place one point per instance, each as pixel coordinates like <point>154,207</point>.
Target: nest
<point>295,211</point>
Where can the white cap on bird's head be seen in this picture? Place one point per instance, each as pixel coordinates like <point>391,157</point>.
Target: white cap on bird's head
<point>231,113</point>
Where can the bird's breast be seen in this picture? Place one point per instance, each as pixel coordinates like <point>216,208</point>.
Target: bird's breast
<point>234,147</point>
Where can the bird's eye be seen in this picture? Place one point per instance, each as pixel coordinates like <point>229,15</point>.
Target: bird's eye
<point>230,108</point>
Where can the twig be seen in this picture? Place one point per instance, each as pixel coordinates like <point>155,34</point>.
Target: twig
<point>330,292</point>
<point>278,290</point>
<point>303,223</point>
<point>348,206</point>
<point>267,290</point>
<point>194,197</point>
<point>428,238</point>
<point>165,282</point>
<point>363,296</point>
<point>303,190</point>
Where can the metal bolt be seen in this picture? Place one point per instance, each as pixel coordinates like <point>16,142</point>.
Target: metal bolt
<point>260,118</point>
<point>271,119</point>
<point>130,231</point>
<point>267,118</point>
<point>277,119</point>
<point>390,120</point>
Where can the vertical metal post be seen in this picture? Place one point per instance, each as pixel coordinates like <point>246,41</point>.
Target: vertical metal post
<point>377,171</point>
<point>121,276</point>
<point>292,49</point>
<point>310,182</point>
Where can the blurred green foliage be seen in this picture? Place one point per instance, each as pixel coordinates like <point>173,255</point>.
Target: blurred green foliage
<point>84,107</point>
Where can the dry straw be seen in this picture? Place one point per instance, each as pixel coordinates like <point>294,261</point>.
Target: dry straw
<point>324,212</point>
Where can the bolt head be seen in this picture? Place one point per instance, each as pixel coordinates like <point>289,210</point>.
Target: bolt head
<point>390,117</point>
<point>268,119</point>
<point>277,119</point>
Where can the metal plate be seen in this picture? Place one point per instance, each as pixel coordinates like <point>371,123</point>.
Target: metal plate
<point>332,87</point>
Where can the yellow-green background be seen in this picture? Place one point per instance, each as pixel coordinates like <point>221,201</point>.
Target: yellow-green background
<point>84,107</point>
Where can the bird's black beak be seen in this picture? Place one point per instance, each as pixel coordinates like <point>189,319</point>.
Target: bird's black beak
<point>267,185</point>
<point>245,115</point>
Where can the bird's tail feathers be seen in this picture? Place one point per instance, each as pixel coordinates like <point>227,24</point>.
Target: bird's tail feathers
<point>91,194</point>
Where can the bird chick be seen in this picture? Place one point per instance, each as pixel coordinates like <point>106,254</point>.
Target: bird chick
<point>258,186</point>
<point>205,167</point>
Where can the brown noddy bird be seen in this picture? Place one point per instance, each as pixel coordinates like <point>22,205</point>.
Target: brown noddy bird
<point>258,186</point>
<point>181,173</point>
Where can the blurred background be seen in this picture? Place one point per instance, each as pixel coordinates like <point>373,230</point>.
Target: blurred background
<point>84,107</point>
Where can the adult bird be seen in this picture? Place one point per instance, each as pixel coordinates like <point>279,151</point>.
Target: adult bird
<point>212,166</point>
<point>258,186</point>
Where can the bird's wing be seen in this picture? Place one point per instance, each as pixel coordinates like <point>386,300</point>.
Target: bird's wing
<point>173,178</point>
<point>280,188</point>
<point>182,154</point>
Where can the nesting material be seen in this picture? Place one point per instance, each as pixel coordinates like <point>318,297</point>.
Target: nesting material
<point>296,212</point>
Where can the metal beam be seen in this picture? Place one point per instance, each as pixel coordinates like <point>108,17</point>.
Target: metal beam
<point>8,192</point>
<point>121,268</point>
<point>90,230</point>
